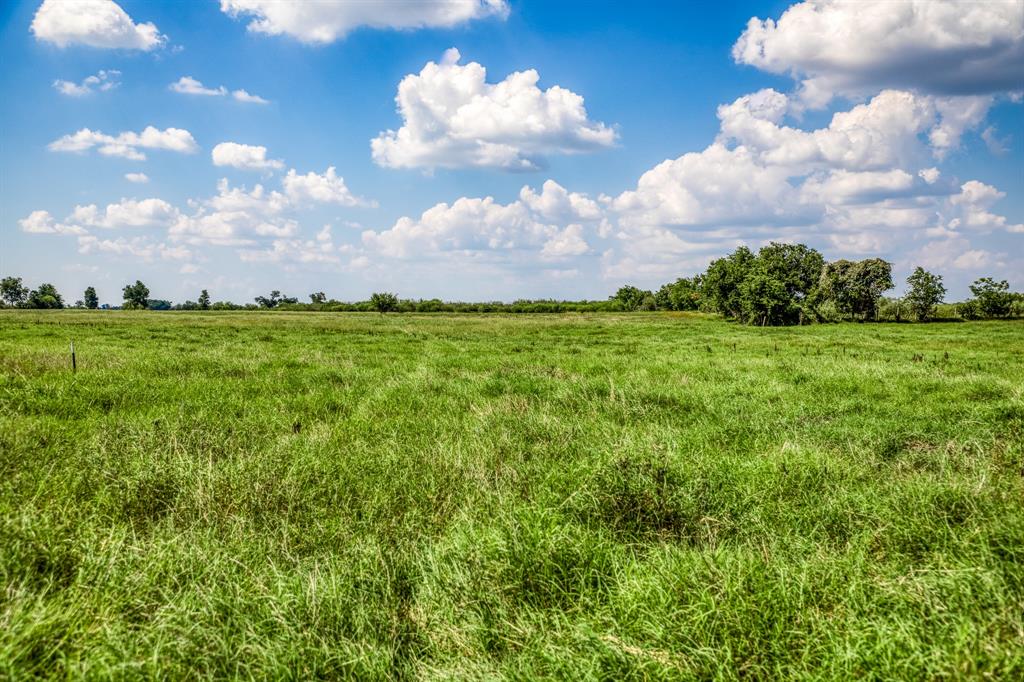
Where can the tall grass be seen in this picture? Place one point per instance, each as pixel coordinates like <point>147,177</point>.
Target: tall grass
<point>591,496</point>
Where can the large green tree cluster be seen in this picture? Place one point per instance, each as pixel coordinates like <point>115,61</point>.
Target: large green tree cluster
<point>776,286</point>
<point>855,287</point>
<point>16,295</point>
<point>784,284</point>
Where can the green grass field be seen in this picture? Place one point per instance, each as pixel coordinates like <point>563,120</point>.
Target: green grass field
<point>583,496</point>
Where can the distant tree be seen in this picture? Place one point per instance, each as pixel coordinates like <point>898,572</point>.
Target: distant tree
<point>275,299</point>
<point>632,298</point>
<point>158,304</point>
<point>12,292</point>
<point>683,294</point>
<point>269,301</point>
<point>384,302</point>
<point>318,297</point>
<point>431,305</point>
<point>993,298</point>
<point>204,300</point>
<point>856,287</point>
<point>721,286</point>
<point>136,296</point>
<point>926,292</point>
<point>90,299</point>
<point>780,285</point>
<point>46,296</point>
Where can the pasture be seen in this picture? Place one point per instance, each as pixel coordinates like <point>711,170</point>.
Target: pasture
<point>658,496</point>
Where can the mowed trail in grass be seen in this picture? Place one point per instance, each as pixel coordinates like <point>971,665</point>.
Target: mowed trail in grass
<point>584,496</point>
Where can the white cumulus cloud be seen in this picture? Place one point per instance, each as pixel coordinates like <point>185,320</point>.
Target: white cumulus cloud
<point>453,118</point>
<point>974,201</point>
<point>138,178</point>
<point>326,188</point>
<point>127,213</point>
<point>324,22</point>
<point>884,131</point>
<point>41,222</point>
<point>244,156</point>
<point>187,85</point>
<point>128,144</point>
<point>718,186</point>
<point>485,226</point>
<point>243,96</point>
<point>941,47</point>
<point>95,23</point>
<point>140,248</point>
<point>102,81</point>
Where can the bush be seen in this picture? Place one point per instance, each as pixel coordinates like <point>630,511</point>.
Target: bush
<point>993,298</point>
<point>384,302</point>
<point>829,312</point>
<point>969,310</point>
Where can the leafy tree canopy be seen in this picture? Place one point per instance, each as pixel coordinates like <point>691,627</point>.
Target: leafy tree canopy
<point>12,292</point>
<point>136,296</point>
<point>275,299</point>
<point>926,291</point>
<point>384,302</point>
<point>856,287</point>
<point>993,298</point>
<point>90,300</point>
<point>633,298</point>
<point>46,296</point>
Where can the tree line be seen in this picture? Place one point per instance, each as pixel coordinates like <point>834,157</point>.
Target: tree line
<point>781,284</point>
<point>787,284</point>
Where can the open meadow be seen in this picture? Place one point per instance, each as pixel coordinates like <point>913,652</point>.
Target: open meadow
<point>659,496</point>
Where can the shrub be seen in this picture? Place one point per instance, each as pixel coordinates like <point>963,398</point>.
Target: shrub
<point>46,296</point>
<point>969,310</point>
<point>993,298</point>
<point>384,302</point>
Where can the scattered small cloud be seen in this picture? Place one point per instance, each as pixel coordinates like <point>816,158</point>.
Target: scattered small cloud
<point>243,96</point>
<point>127,145</point>
<point>326,188</point>
<point>187,85</point>
<point>244,156</point>
<point>102,81</point>
<point>1000,146</point>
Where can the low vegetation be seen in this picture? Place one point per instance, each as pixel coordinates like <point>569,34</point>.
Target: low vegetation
<point>663,496</point>
<point>782,284</point>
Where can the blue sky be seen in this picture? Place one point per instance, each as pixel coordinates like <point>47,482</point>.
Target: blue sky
<point>651,140</point>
